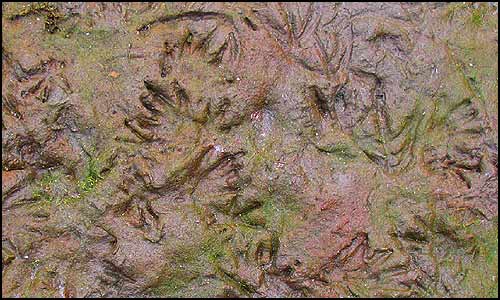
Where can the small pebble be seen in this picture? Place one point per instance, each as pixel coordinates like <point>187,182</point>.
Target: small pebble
<point>114,74</point>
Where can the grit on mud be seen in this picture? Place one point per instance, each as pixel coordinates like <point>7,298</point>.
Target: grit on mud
<point>249,149</point>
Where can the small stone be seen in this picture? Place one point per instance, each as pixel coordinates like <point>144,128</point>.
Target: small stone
<point>114,74</point>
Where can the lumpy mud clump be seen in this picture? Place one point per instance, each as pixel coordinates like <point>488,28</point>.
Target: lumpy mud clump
<point>250,149</point>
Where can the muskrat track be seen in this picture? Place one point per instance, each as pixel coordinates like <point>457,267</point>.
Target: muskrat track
<point>249,149</point>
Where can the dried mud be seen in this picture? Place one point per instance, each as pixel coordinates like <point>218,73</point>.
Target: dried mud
<point>249,149</point>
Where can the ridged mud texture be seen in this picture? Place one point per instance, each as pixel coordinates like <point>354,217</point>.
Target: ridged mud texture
<point>249,149</point>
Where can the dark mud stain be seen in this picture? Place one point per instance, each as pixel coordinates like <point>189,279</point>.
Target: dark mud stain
<point>257,150</point>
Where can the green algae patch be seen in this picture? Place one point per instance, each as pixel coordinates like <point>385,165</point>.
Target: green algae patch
<point>481,274</point>
<point>91,176</point>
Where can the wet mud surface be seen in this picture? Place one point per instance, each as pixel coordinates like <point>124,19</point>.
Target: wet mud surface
<point>249,149</point>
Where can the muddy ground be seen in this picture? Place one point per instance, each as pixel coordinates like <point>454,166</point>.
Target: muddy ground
<point>249,149</point>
